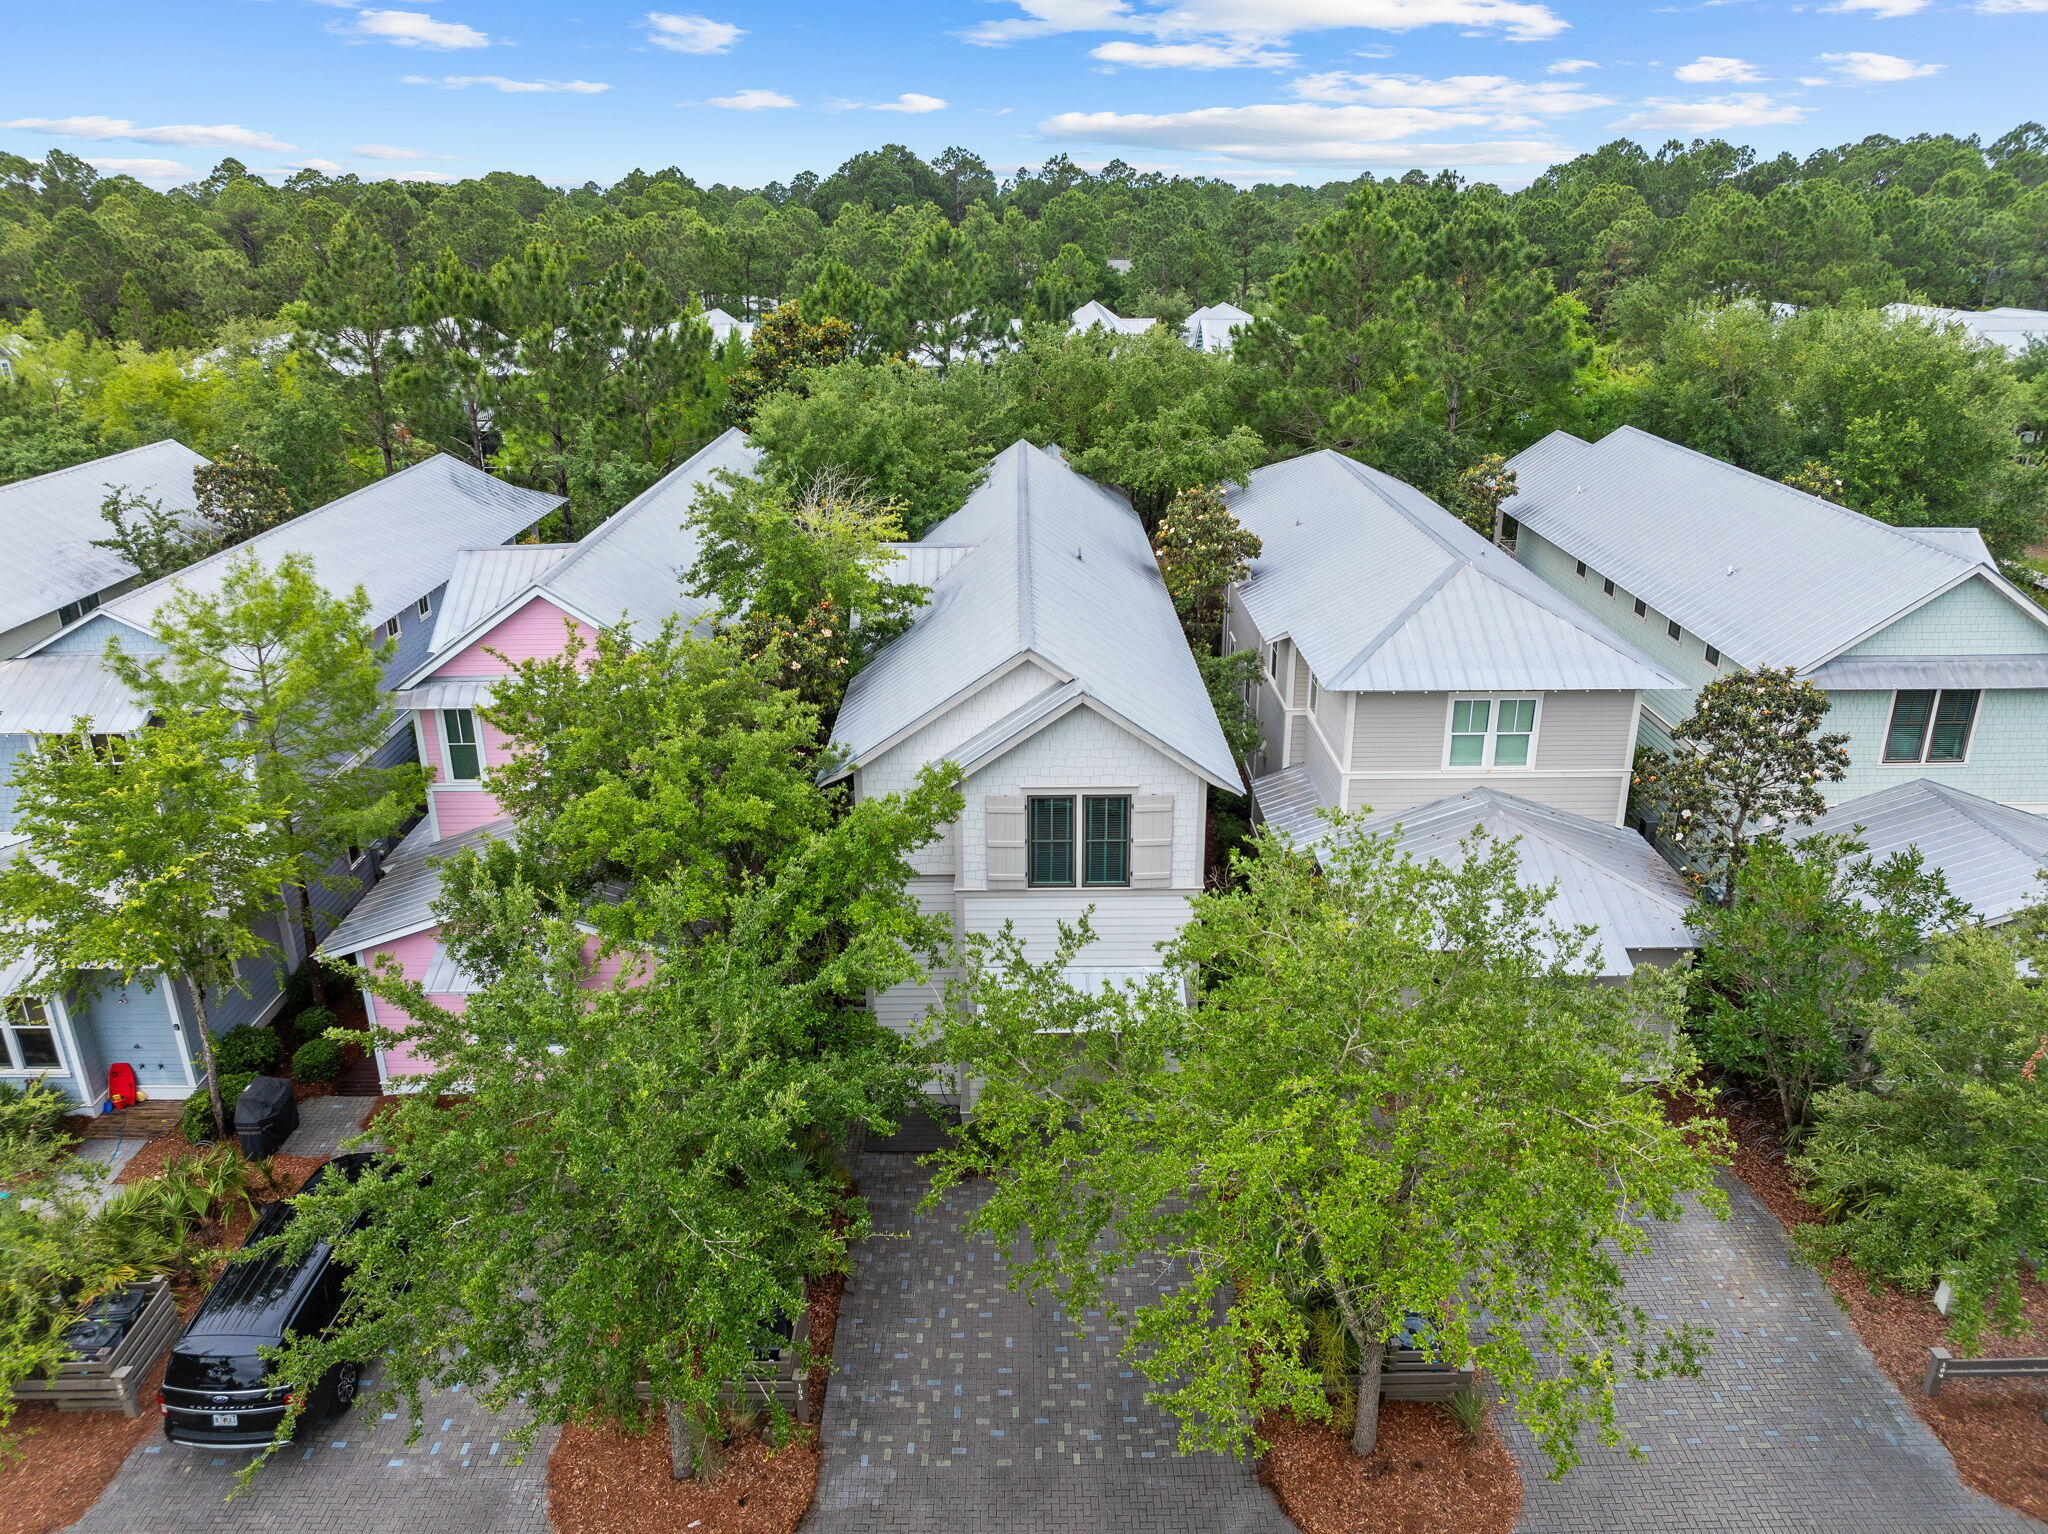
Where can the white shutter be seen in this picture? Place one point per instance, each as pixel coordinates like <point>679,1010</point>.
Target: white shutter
<point>1004,818</point>
<point>1152,841</point>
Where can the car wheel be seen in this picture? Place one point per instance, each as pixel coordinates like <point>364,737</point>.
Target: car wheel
<point>348,1379</point>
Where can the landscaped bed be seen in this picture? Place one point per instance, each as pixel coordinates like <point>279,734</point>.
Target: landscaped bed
<point>1426,1477</point>
<point>606,1481</point>
<point>1992,1428</point>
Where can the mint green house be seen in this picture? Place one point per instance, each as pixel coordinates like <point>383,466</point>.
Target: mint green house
<point>1935,665</point>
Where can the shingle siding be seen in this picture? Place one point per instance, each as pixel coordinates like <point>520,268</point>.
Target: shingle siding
<point>2008,754</point>
<point>1974,618</point>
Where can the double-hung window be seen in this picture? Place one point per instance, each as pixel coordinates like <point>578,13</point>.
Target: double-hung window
<point>465,757</point>
<point>1931,725</point>
<point>1492,732</point>
<point>1086,841</point>
<point>30,1037</point>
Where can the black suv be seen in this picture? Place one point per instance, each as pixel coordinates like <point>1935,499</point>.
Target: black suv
<point>218,1391</point>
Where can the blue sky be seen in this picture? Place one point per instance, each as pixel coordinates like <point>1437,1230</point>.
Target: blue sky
<point>751,92</point>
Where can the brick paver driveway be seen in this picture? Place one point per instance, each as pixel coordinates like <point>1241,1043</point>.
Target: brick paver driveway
<point>1791,1430</point>
<point>960,1408</point>
<point>358,1476</point>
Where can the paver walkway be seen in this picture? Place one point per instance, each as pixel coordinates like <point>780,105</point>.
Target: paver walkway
<point>1792,1427</point>
<point>324,1122</point>
<point>357,1476</point>
<point>960,1408</point>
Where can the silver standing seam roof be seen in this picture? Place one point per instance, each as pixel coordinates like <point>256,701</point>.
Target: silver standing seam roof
<point>1769,575</point>
<point>43,694</point>
<point>402,899</point>
<point>47,525</point>
<point>2013,329</point>
<point>1605,877</point>
<point>1057,568</point>
<point>1383,590</point>
<point>1992,855</point>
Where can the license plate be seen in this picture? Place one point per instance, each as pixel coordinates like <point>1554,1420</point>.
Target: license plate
<point>227,1419</point>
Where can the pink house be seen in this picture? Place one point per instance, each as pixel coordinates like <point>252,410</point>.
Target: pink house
<point>504,605</point>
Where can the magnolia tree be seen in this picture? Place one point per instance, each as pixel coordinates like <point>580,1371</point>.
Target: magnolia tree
<point>1202,549</point>
<point>1748,762</point>
<point>1394,1095</point>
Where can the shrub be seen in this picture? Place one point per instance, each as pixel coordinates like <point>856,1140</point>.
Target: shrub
<point>311,1023</point>
<point>30,1110</point>
<point>317,1060</point>
<point>247,1050</point>
<point>197,1124</point>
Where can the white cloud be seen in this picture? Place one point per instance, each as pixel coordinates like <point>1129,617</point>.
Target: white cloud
<point>2011,7</point>
<point>511,87</point>
<point>417,175</point>
<point>191,135</point>
<point>691,34</point>
<point>912,102</point>
<point>142,170</point>
<point>750,101</point>
<point>1223,55</point>
<point>1712,114</point>
<point>1304,132</point>
<point>1882,9</point>
<point>325,167</point>
<point>1877,68</point>
<point>411,29</point>
<point>1715,67</point>
<point>1245,21</point>
<point>1570,66</point>
<point>1494,94</point>
<point>394,152</point>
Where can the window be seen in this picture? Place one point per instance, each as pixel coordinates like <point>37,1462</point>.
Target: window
<point>1510,530</point>
<point>391,628</point>
<point>1606,587</point>
<point>1581,571</point>
<point>355,857</point>
<point>1713,656</point>
<point>1106,855</point>
<point>1315,694</point>
<point>31,1039</point>
<point>465,760</point>
<point>1491,732</point>
<point>426,605</point>
<point>1273,660</point>
<point>1642,608</point>
<point>1931,726</point>
<point>1103,842</point>
<point>71,612</point>
<point>1671,628</point>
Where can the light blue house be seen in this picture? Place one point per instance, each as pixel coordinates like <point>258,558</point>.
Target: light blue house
<point>1935,665</point>
<point>399,539</point>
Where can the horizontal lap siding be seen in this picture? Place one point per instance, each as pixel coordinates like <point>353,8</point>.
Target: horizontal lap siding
<point>412,954</point>
<point>1585,731</point>
<point>1129,925</point>
<point>1593,795</point>
<point>904,1007</point>
<point>537,630</point>
<point>132,1025</point>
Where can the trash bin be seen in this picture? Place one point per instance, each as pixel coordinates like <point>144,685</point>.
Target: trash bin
<point>265,1116</point>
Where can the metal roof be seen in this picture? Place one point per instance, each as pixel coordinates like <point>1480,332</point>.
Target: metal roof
<point>397,538</point>
<point>1770,575</point>
<point>47,525</point>
<point>1991,854</point>
<point>402,899</point>
<point>1093,314</point>
<point>2013,329</point>
<point>42,694</point>
<point>1606,877</point>
<point>1385,591</point>
<point>484,579</point>
<point>1059,569</point>
<point>446,692</point>
<point>1883,672</point>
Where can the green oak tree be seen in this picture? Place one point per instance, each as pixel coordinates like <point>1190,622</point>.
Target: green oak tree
<point>1367,1086</point>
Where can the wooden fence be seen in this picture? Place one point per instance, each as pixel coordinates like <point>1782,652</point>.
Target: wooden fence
<point>1409,1374</point>
<point>116,1380</point>
<point>1941,1367</point>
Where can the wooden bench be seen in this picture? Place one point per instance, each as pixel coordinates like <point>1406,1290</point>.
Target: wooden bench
<point>1940,1367</point>
<point>116,1380</point>
<point>1409,1374</point>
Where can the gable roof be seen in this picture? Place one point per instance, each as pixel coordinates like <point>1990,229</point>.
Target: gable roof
<point>1383,590</point>
<point>627,568</point>
<point>47,525</point>
<point>397,538</point>
<point>1606,877</point>
<point>1770,575</point>
<point>1991,854</point>
<point>401,901</point>
<point>1095,312</point>
<point>1058,570</point>
<point>2013,329</point>
<point>42,694</point>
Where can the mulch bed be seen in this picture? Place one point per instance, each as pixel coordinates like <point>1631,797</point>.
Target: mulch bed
<point>1993,1429</point>
<point>605,1480</point>
<point>66,1459</point>
<point>1426,1476</point>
